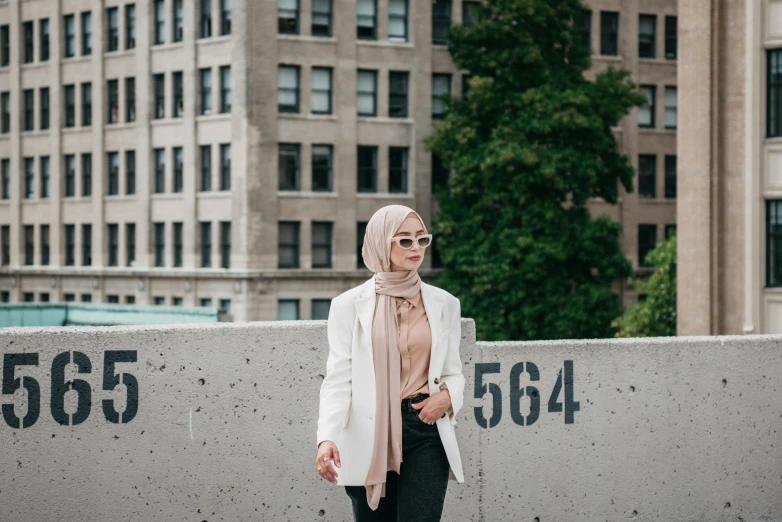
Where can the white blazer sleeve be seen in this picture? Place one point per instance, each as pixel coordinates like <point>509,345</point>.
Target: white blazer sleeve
<point>452,367</point>
<point>335,390</point>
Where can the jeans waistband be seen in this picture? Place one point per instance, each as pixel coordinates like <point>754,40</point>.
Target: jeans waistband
<point>406,403</point>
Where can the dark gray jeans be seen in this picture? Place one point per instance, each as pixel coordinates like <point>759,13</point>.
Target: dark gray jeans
<point>417,493</point>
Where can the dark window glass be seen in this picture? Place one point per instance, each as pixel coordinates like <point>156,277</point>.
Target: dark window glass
<point>5,107</point>
<point>320,309</point>
<point>647,238</point>
<point>112,159</point>
<point>69,91</point>
<point>28,122</point>
<point>29,39</point>
<point>206,18</point>
<point>178,21</point>
<point>225,17</point>
<point>130,172</point>
<point>647,175</point>
<point>288,244</point>
<point>86,245</point>
<point>397,20</point>
<point>367,168</point>
<point>44,108</point>
<point>225,166</point>
<point>112,29</point>
<point>86,33</point>
<point>361,228</point>
<point>29,178</point>
<point>321,90</point>
<point>86,104</point>
<point>671,107</point>
<point>46,176</point>
<point>288,16</point>
<point>29,248</point>
<point>322,168</point>
<point>289,165</point>
<point>179,103</point>
<point>112,298</point>
<point>288,88</point>
<point>609,33</point>
<point>397,169</point>
<point>441,21</point>
<point>206,168</point>
<point>670,176</point>
<point>397,94</point>
<point>130,26</point>
<point>366,19</point>
<point>5,45</point>
<point>646,112</point>
<point>321,244</point>
<point>86,174</point>
<point>321,17</point>
<point>160,170</point>
<point>287,309</point>
<point>130,244</point>
<point>130,99</point>
<point>160,243</point>
<point>178,169</point>
<point>774,93</point>
<point>113,241</point>
<point>441,88</point>
<point>70,245</point>
<point>367,93</point>
<point>178,243</point>
<point>69,36</point>
<point>225,88</point>
<point>70,175</point>
<point>160,22</point>
<point>671,38</point>
<point>5,182</point>
<point>43,35</point>
<point>45,245</point>
<point>225,244</point>
<point>205,91</point>
<point>5,238</point>
<point>160,96</point>
<point>206,244</point>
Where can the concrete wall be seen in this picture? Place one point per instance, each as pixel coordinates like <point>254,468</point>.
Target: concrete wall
<point>224,427</point>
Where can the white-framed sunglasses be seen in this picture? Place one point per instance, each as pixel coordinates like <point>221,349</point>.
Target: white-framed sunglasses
<point>406,242</point>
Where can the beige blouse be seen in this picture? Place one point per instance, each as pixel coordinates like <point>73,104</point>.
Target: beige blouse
<point>415,343</point>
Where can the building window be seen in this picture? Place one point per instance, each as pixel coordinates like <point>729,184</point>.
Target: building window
<point>176,301</point>
<point>160,96</point>
<point>205,92</point>
<point>178,168</point>
<point>321,90</point>
<point>113,163</point>
<point>288,16</point>
<point>206,168</point>
<point>289,165</point>
<point>470,10</point>
<point>440,172</point>
<point>29,249</point>
<point>178,243</point>
<point>86,104</point>
<point>397,94</point>
<point>206,18</point>
<point>646,112</point>
<point>130,26</point>
<point>69,297</point>
<point>321,17</point>
<point>320,309</point>
<point>44,108</point>
<point>112,29</point>
<point>130,172</point>
<point>179,103</point>
<point>287,309</point>
<point>5,238</point>
<point>321,244</point>
<point>29,38</point>
<point>112,298</point>
<point>322,168</point>
<point>130,99</point>
<point>366,18</point>
<point>225,244</point>
<point>160,22</point>
<point>70,175</point>
<point>582,24</point>
<point>46,176</point>
<point>647,40</point>
<point>225,166</point>
<point>160,170</point>
<point>774,93</point>
<point>86,33</point>
<point>441,21</point>
<point>43,35</point>
<point>5,172</point>
<point>5,106</point>
<point>130,244</point>
<point>397,20</point>
<point>178,21</point>
<point>670,176</point>
<point>397,169</point>
<point>29,110</point>
<point>86,174</point>
<point>86,245</point>
<point>670,107</point>
<point>130,299</point>
<point>206,302</point>
<point>5,45</point>
<point>367,93</point>
<point>288,244</point>
<point>160,243</point>
<point>609,33</point>
<point>160,300</point>
<point>361,228</point>
<point>112,89</point>
<point>206,244</point>
<point>647,175</point>
<point>69,91</point>
<point>671,38</point>
<point>86,298</point>
<point>647,238</point>
<point>45,245</point>
<point>225,17</point>
<point>367,168</point>
<point>29,178</point>
<point>29,297</point>
<point>225,88</point>
<point>69,23</point>
<point>113,243</point>
<point>225,306</point>
<point>288,88</point>
<point>70,245</point>
<point>441,87</point>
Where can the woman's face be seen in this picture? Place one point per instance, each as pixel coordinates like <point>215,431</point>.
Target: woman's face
<point>401,258</point>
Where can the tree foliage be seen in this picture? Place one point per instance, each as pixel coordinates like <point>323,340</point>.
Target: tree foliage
<point>528,145</point>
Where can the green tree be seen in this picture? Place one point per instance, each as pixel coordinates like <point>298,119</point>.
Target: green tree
<point>528,145</point>
<point>655,315</point>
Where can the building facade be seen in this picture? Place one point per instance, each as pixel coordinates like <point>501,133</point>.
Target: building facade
<point>229,153</point>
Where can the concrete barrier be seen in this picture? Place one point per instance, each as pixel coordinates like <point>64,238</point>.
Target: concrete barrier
<point>217,423</point>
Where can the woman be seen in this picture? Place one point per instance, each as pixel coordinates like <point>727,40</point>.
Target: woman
<point>393,382</point>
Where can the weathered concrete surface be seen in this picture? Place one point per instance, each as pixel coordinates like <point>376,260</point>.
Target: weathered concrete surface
<point>666,429</point>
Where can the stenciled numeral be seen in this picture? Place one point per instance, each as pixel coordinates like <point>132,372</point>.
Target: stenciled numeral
<point>480,391</point>
<point>81,387</point>
<point>10,385</point>
<point>112,380</point>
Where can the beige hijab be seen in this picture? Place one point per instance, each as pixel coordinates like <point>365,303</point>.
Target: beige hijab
<point>387,449</point>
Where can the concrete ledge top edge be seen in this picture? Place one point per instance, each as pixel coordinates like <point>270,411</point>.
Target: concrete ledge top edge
<point>637,340</point>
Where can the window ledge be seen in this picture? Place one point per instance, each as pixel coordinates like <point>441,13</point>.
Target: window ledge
<point>35,200</point>
<point>34,65</point>
<point>119,53</point>
<point>654,130</point>
<point>163,122</point>
<point>34,133</point>
<point>75,59</point>
<point>307,38</point>
<point>380,195</point>
<point>307,117</point>
<point>213,40</point>
<point>167,195</point>
<point>213,194</point>
<point>607,58</point>
<point>384,119</point>
<point>657,200</point>
<point>120,197</point>
<point>120,125</point>
<point>306,194</point>
<point>76,199</point>
<point>76,130</point>
<point>656,61</point>
<point>167,46</point>
<point>215,116</point>
<point>385,43</point>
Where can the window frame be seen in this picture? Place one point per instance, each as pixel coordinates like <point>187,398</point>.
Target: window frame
<point>441,21</point>
<point>317,169</point>
<point>327,244</point>
<point>328,92</point>
<point>399,170</point>
<point>671,37</point>
<point>373,93</point>
<point>649,227</point>
<point>366,34</point>
<point>652,106</point>
<point>405,17</point>
<point>609,36</point>
<point>285,151</point>
<point>395,97</point>
<point>366,170</point>
<point>288,108</point>
<point>294,244</point>
<point>435,94</point>
<point>667,108</point>
<point>647,176</point>
<point>643,38</point>
<point>112,31</point>
<point>329,16</point>
<point>284,25</point>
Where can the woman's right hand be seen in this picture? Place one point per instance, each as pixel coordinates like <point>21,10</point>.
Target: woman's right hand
<point>327,450</point>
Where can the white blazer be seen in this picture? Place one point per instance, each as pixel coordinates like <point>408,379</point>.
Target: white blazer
<point>347,394</point>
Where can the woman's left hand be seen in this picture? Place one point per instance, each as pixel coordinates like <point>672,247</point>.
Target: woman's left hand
<point>434,406</point>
